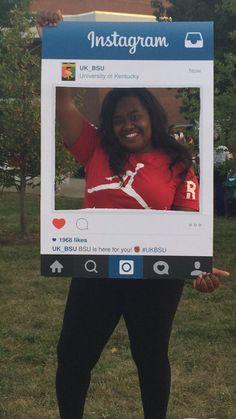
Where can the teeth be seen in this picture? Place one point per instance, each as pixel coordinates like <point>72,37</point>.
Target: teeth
<point>131,135</point>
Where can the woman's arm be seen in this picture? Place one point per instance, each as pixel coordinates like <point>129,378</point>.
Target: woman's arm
<point>69,117</point>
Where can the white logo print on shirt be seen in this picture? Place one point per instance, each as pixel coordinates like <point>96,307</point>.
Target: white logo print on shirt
<point>191,188</point>
<point>127,188</point>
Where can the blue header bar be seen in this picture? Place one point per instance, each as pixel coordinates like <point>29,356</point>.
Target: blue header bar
<point>129,41</point>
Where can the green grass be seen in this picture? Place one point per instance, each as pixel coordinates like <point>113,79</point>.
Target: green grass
<point>202,348</point>
<point>62,203</point>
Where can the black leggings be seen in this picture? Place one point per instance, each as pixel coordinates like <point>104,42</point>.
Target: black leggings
<point>93,310</point>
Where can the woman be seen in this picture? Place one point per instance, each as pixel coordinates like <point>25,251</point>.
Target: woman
<point>130,162</point>
<point>131,155</point>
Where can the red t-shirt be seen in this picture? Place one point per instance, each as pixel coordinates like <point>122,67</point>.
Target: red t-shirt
<point>147,181</point>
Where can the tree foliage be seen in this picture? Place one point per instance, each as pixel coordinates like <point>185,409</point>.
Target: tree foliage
<point>223,13</point>
<point>160,10</point>
<point>19,106</point>
<point>6,8</point>
<point>20,109</point>
<point>225,99</point>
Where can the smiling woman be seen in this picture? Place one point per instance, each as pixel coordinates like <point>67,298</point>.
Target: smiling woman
<point>132,125</point>
<point>131,162</point>
<point>131,155</point>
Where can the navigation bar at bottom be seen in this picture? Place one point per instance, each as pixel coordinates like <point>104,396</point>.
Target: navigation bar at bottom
<point>126,267</point>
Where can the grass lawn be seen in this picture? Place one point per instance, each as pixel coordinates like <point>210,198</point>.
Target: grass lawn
<point>202,348</point>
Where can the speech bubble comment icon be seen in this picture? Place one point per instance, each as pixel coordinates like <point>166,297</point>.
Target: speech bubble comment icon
<point>161,268</point>
<point>82,224</point>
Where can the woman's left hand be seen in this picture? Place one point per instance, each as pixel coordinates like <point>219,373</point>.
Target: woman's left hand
<point>209,282</point>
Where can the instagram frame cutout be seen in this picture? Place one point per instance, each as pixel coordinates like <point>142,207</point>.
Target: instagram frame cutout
<point>121,243</point>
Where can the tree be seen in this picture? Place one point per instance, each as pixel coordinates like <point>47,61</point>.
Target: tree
<point>7,6</point>
<point>223,13</point>
<point>225,103</point>
<point>160,10</point>
<point>20,110</point>
<point>19,107</point>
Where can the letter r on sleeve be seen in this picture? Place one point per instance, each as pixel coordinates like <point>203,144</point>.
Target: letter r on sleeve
<point>191,188</point>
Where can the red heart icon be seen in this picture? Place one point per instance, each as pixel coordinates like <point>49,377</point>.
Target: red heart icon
<point>58,222</point>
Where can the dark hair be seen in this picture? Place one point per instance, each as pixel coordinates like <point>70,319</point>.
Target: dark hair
<point>160,136</point>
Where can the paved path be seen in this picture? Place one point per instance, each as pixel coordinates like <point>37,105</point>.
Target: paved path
<point>71,187</point>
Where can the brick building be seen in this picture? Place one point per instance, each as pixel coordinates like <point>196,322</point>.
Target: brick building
<point>92,99</point>
<point>72,7</point>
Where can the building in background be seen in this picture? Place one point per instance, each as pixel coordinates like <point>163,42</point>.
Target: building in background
<point>74,7</point>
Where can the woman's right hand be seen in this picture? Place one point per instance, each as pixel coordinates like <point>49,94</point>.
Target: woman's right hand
<point>209,282</point>
<point>48,19</point>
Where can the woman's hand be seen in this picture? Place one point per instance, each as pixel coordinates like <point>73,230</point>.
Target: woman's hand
<point>48,19</point>
<point>209,282</point>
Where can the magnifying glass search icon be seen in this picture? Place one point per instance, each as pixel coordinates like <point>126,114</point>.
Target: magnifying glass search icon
<point>91,266</point>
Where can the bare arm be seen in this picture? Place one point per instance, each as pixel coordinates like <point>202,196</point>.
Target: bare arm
<point>69,118</point>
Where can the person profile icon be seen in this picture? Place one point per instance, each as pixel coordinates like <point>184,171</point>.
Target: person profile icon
<point>197,271</point>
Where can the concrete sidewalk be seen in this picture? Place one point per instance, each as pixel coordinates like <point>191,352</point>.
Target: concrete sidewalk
<point>70,187</point>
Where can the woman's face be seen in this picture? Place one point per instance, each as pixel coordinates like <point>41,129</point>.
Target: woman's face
<point>132,125</point>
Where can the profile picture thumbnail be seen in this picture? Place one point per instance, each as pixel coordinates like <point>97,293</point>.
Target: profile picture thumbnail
<point>68,71</point>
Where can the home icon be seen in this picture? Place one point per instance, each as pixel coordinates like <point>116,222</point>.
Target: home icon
<point>56,267</point>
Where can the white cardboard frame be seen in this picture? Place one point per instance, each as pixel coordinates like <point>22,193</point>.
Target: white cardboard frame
<point>112,232</point>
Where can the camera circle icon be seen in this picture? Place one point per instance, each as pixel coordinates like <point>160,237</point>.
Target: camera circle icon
<point>126,267</point>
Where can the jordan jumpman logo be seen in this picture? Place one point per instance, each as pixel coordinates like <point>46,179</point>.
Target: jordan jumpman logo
<point>127,188</point>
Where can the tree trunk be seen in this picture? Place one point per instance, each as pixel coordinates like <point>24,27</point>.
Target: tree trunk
<point>21,192</point>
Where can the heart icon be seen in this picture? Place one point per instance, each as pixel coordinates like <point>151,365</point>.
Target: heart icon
<point>58,222</point>
<point>54,239</point>
<point>161,268</point>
